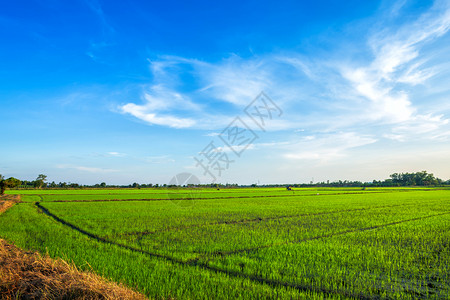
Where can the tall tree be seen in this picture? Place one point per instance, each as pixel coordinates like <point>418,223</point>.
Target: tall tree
<point>40,180</point>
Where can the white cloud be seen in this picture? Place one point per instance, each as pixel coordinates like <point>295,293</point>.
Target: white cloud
<point>116,154</point>
<point>327,147</point>
<point>141,112</point>
<point>384,104</point>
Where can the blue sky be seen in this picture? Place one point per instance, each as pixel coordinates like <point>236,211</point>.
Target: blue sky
<point>134,91</point>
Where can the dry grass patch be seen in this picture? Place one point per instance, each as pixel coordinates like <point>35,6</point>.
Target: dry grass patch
<point>7,201</point>
<point>4,205</point>
<point>29,275</point>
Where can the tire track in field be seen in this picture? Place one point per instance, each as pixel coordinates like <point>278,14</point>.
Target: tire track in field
<point>248,250</point>
<point>202,265</point>
<point>255,278</point>
<point>141,234</point>
<point>101,239</point>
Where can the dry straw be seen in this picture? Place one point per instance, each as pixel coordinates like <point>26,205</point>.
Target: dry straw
<point>29,275</point>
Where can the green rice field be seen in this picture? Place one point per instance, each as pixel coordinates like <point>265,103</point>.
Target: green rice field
<point>247,243</point>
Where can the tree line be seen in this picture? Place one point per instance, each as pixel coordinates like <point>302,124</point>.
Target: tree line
<point>422,178</point>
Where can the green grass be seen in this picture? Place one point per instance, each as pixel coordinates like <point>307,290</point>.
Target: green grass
<point>171,193</point>
<point>248,243</point>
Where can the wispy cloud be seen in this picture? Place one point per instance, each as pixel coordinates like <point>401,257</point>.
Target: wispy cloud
<point>167,102</point>
<point>327,147</point>
<point>161,104</point>
<point>397,60</point>
<point>383,90</point>
<point>162,159</point>
<point>237,148</point>
<point>212,134</point>
<point>116,154</point>
<point>86,169</point>
<point>151,117</point>
<point>107,32</point>
<point>220,91</point>
<point>315,93</point>
<point>108,154</point>
<point>227,84</point>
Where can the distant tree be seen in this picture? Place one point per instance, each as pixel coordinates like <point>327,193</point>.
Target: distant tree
<point>395,178</point>
<point>413,179</point>
<point>388,182</point>
<point>8,183</point>
<point>53,185</point>
<point>103,184</point>
<point>62,184</point>
<point>40,181</point>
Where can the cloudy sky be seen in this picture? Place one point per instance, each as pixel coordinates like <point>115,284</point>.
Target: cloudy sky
<point>139,91</point>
